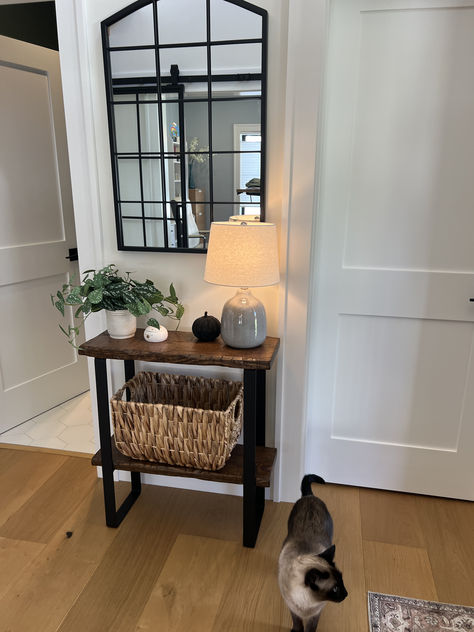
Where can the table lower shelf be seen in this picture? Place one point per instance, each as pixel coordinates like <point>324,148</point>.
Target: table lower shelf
<point>232,472</point>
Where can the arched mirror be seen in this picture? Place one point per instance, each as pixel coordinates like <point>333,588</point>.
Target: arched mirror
<point>186,97</point>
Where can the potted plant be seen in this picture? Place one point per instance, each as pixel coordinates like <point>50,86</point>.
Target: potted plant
<point>122,298</point>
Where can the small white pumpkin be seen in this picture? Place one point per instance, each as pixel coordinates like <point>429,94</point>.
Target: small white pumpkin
<point>153,334</point>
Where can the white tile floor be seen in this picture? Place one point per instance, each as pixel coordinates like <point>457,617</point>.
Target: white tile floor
<point>66,427</point>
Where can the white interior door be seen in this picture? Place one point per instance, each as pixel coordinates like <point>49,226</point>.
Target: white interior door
<point>391,377</point>
<point>38,368</point>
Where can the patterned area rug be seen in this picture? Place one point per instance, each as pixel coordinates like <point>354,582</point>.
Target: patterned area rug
<point>388,613</point>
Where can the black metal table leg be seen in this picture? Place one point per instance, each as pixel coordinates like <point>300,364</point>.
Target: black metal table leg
<point>113,517</point>
<point>260,438</point>
<point>254,434</point>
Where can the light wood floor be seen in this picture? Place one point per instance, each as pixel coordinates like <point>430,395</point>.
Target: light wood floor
<point>176,563</point>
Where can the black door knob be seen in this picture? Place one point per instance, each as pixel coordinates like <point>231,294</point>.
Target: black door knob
<point>73,256</point>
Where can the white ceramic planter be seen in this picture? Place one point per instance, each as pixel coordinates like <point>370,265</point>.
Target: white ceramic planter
<point>121,324</point>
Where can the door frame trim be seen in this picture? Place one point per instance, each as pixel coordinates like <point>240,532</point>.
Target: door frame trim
<point>307,36</point>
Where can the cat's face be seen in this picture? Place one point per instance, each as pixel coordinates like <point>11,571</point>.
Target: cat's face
<point>325,580</point>
<point>327,585</point>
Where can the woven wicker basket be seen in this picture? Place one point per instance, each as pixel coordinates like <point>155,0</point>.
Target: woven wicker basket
<point>178,419</point>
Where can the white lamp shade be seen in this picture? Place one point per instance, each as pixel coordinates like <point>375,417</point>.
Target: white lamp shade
<point>242,255</point>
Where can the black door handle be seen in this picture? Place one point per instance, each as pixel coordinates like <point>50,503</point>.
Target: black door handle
<point>73,255</point>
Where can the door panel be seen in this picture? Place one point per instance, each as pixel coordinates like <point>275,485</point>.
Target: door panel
<point>35,214</point>
<point>391,379</point>
<point>38,368</point>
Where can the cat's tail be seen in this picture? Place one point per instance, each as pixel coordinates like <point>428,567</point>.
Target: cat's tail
<point>306,483</point>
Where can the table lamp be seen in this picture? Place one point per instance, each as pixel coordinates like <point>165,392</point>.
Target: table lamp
<point>243,255</point>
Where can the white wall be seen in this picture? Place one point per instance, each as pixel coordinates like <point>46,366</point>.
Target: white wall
<point>291,149</point>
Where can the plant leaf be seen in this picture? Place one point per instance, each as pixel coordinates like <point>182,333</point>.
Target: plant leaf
<point>72,299</point>
<point>152,322</point>
<point>179,312</point>
<point>134,309</point>
<point>95,296</point>
<point>146,306</point>
<point>156,297</point>
<point>60,305</point>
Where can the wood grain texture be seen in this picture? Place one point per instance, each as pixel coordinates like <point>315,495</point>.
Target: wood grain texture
<point>16,556</point>
<point>195,577</point>
<point>448,528</point>
<point>232,472</point>
<point>21,475</point>
<point>181,347</point>
<point>42,596</point>
<point>104,579</point>
<point>39,519</point>
<point>34,448</point>
<point>211,517</point>
<point>343,505</point>
<point>390,517</point>
<point>398,570</point>
<point>253,602</point>
<point>119,589</point>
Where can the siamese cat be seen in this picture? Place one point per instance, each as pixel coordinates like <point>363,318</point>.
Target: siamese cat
<point>307,575</point>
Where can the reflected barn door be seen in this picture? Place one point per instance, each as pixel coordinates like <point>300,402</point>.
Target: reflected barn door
<point>391,380</point>
<point>38,368</point>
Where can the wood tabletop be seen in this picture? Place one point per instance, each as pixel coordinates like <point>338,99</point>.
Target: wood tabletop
<point>181,347</point>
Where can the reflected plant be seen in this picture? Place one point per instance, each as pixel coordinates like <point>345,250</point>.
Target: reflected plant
<point>196,155</point>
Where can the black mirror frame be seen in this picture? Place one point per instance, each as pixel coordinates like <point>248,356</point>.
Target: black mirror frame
<point>105,24</point>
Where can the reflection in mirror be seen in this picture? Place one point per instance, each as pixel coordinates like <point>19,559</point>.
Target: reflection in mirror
<point>135,29</point>
<point>236,58</point>
<point>181,21</point>
<point>186,105</point>
<point>190,61</point>
<point>229,21</point>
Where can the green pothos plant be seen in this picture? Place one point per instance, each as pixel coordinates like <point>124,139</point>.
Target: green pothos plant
<point>106,289</point>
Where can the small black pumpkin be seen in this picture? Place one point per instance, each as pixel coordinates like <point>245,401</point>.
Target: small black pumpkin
<point>206,328</point>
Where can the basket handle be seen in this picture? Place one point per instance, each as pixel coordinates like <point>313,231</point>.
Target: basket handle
<point>237,409</point>
<point>119,394</point>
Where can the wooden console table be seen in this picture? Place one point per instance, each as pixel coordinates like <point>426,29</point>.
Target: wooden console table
<point>250,464</point>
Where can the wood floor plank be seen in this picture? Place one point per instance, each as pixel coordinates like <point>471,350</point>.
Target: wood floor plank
<point>122,584</point>
<point>212,515</point>
<point>119,589</point>
<point>390,517</point>
<point>21,475</point>
<point>7,459</point>
<point>102,579</point>
<point>36,448</point>
<point>343,504</point>
<point>40,599</point>
<point>190,586</point>
<point>448,527</point>
<point>253,602</point>
<point>398,570</point>
<point>39,519</point>
<point>15,557</point>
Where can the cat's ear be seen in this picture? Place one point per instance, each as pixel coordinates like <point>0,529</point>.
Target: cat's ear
<point>328,554</point>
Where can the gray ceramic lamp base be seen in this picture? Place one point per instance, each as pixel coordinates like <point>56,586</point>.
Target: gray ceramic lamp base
<point>243,322</point>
